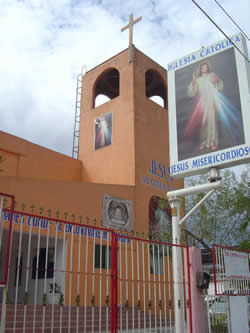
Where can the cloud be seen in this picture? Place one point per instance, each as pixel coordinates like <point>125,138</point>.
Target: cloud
<point>44,45</point>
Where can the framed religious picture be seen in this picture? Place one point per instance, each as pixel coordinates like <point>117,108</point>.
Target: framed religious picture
<point>117,213</point>
<point>103,130</point>
<point>208,107</point>
<point>208,98</point>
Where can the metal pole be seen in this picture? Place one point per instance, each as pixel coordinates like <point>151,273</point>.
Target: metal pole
<point>175,204</point>
<point>183,192</point>
<point>196,206</point>
<point>175,199</point>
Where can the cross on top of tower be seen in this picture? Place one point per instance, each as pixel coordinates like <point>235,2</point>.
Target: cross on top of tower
<point>130,26</point>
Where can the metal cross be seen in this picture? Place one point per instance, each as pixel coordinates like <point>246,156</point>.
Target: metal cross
<point>130,26</point>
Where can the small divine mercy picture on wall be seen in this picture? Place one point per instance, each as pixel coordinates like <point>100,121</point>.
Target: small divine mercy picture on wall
<point>103,130</point>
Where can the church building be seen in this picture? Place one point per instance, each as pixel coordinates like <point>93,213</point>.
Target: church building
<point>117,178</point>
<point>122,151</point>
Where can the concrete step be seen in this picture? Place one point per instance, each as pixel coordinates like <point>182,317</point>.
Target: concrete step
<point>94,316</point>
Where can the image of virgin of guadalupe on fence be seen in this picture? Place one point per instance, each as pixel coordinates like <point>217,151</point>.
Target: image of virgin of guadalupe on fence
<point>208,107</point>
<point>103,130</point>
<point>117,213</point>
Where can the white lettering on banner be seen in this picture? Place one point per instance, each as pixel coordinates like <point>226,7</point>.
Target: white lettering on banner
<point>211,160</point>
<point>69,228</point>
<point>203,53</point>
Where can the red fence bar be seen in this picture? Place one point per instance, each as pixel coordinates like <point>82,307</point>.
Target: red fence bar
<point>115,286</point>
<point>189,291</point>
<point>9,236</point>
<point>112,315</point>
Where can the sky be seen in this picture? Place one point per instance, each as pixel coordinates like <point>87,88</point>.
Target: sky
<point>46,43</point>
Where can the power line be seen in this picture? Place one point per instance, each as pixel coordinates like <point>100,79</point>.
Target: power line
<point>241,30</point>
<point>204,12</point>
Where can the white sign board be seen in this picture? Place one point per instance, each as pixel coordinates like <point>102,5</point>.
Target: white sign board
<point>209,102</point>
<point>236,265</point>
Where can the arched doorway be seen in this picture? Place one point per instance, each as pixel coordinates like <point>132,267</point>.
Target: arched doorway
<point>160,227</point>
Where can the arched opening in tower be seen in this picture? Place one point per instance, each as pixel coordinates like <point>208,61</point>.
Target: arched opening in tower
<point>107,87</point>
<point>156,88</point>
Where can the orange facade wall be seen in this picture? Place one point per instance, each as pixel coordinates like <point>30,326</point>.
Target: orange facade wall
<point>25,159</point>
<point>82,199</point>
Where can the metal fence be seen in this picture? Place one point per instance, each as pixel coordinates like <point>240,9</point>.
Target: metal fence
<point>68,277</point>
<point>144,288</point>
<point>217,310</point>
<point>229,272</point>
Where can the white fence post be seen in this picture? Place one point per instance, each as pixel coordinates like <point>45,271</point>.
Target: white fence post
<point>177,266</point>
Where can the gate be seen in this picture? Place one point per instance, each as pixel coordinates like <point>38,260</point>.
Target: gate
<point>229,289</point>
<point>144,286</point>
<point>72,277</point>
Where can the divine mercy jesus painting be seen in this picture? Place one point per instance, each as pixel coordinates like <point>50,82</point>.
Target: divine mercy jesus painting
<point>103,130</point>
<point>208,107</point>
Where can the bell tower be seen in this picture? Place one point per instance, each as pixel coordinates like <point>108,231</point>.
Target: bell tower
<point>107,131</point>
<point>120,138</point>
<point>125,140</point>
